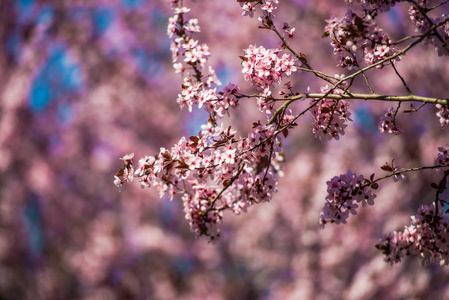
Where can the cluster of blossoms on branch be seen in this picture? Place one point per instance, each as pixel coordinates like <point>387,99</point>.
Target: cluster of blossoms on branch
<point>439,37</point>
<point>443,159</point>
<point>443,114</point>
<point>217,170</point>
<point>418,15</point>
<point>387,123</point>
<point>374,7</point>
<point>427,236</point>
<point>212,172</point>
<point>329,116</point>
<point>344,193</point>
<point>354,34</point>
<point>249,7</point>
<point>263,67</point>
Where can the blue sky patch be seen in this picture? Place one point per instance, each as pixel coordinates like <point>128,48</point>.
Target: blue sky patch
<point>59,76</point>
<point>103,18</point>
<point>131,4</point>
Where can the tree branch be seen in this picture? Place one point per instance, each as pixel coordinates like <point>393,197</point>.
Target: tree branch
<point>407,98</point>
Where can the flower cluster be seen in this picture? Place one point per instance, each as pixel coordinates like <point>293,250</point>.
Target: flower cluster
<point>288,31</point>
<point>439,38</point>
<point>443,158</point>
<point>387,123</point>
<point>344,193</point>
<point>189,59</point>
<point>218,103</point>
<point>443,114</point>
<point>373,7</point>
<point>418,19</point>
<point>263,67</point>
<point>398,176</point>
<point>330,115</point>
<point>427,236</point>
<point>213,172</point>
<point>264,103</point>
<point>249,7</point>
<point>126,173</point>
<point>183,45</point>
<point>352,34</point>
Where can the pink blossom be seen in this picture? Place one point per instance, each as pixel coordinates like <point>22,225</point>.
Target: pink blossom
<point>192,25</point>
<point>248,9</point>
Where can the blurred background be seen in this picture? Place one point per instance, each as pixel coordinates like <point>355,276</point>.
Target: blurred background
<point>83,82</point>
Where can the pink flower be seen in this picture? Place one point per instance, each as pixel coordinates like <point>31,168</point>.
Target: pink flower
<point>190,45</point>
<point>399,176</point>
<point>192,25</point>
<point>291,33</point>
<point>192,55</point>
<point>118,182</point>
<point>229,156</point>
<point>178,68</point>
<point>248,9</point>
<point>127,159</point>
